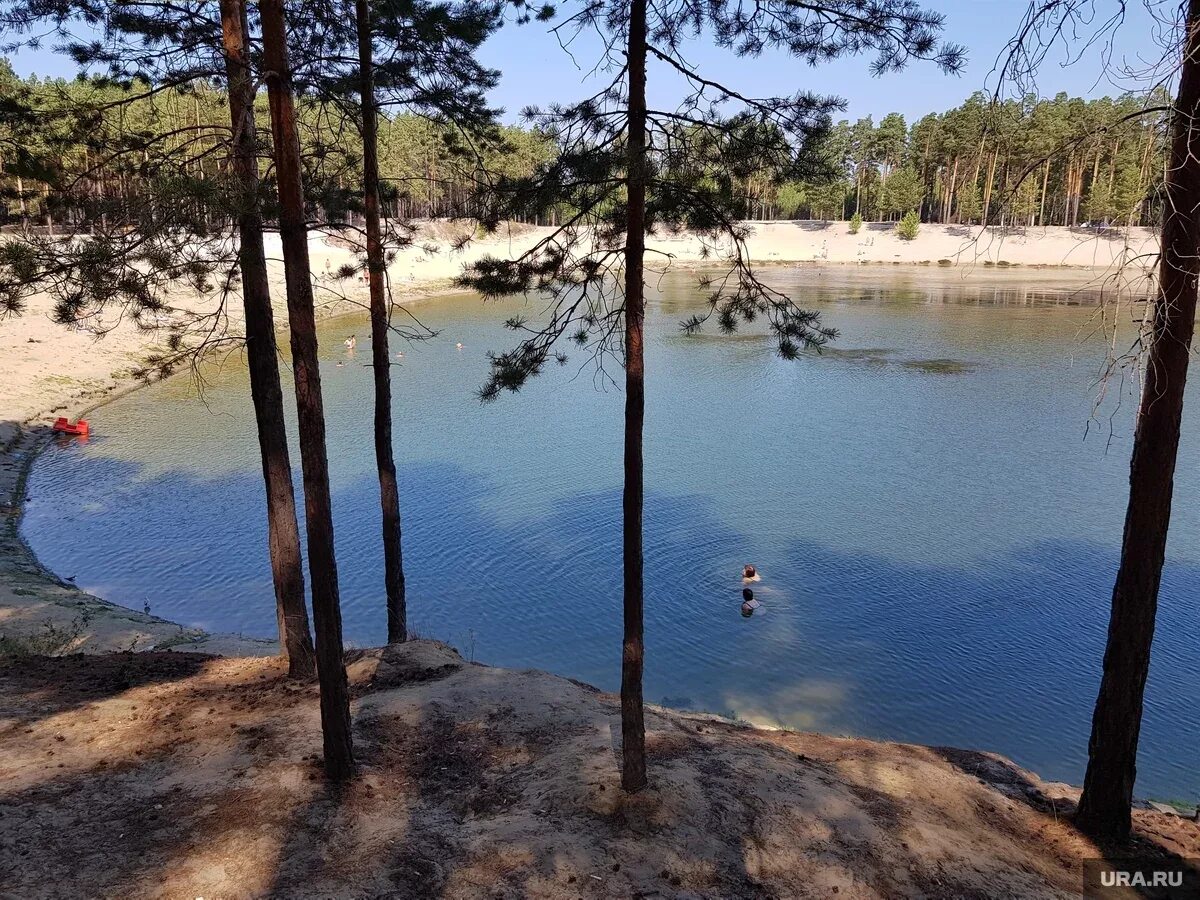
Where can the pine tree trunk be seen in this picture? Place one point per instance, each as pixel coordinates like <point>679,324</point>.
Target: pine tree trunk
<point>633,725</point>
<point>283,533</point>
<point>21,201</point>
<point>389,495</point>
<point>1042,205</point>
<point>987,191</point>
<point>1143,175</point>
<point>318,512</point>
<point>950,190</point>
<point>1104,808</point>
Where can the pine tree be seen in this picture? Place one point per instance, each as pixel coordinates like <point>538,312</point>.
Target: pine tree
<point>627,170</point>
<point>265,387</point>
<point>171,207</point>
<point>314,460</point>
<point>428,67</point>
<point>1106,804</point>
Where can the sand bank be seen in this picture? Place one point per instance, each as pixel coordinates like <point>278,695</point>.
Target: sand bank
<point>180,775</point>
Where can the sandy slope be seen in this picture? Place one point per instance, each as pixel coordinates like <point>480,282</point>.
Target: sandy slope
<point>179,775</point>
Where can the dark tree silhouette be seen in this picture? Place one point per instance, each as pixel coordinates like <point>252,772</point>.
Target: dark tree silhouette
<point>427,65</point>
<point>265,389</point>
<point>626,170</point>
<point>389,493</point>
<point>1105,808</point>
<point>169,240</point>
<point>314,461</point>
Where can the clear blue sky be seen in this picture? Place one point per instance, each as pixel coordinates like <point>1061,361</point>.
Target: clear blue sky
<point>536,71</point>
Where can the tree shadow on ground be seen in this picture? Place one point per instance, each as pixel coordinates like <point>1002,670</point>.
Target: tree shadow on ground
<point>1149,844</point>
<point>45,683</point>
<point>477,782</point>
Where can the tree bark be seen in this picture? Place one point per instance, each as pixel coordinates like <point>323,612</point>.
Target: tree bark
<point>1105,807</point>
<point>987,191</point>
<point>21,201</point>
<point>633,725</point>
<point>389,495</point>
<point>283,533</point>
<point>948,212</point>
<point>318,513</point>
<point>1042,205</point>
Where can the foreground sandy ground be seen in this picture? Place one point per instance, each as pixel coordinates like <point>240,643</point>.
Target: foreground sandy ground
<point>181,775</point>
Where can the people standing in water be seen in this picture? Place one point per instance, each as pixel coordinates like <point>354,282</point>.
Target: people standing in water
<point>351,342</point>
<point>749,604</point>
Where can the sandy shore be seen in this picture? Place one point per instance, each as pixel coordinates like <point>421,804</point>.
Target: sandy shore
<point>47,370</point>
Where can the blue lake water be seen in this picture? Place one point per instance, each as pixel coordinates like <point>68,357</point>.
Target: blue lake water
<point>934,508</point>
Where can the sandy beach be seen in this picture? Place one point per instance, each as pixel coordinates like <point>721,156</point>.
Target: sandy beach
<point>47,370</point>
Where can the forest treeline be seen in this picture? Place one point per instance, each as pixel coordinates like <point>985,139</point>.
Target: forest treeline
<point>1059,161</point>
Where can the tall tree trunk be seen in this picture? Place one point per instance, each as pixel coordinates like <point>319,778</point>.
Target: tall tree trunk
<point>1143,176</point>
<point>314,462</point>
<point>1042,205</point>
<point>1068,187</point>
<point>987,191</point>
<point>283,533</point>
<point>950,190</point>
<point>633,725</point>
<point>21,201</point>
<point>1104,808</point>
<point>389,495</point>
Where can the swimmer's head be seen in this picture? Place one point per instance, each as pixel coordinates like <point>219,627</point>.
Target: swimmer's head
<point>747,594</point>
<point>749,572</point>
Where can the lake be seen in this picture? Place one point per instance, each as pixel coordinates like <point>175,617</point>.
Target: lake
<point>933,504</point>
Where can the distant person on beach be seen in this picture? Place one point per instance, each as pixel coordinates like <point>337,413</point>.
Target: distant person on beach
<point>749,604</point>
<point>351,342</point>
<point>749,573</point>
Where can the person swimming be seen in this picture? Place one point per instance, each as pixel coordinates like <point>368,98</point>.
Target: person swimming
<point>458,346</point>
<point>749,573</point>
<point>749,604</point>
<point>351,342</point>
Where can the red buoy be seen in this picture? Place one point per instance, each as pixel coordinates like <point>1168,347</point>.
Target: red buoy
<point>62,425</point>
